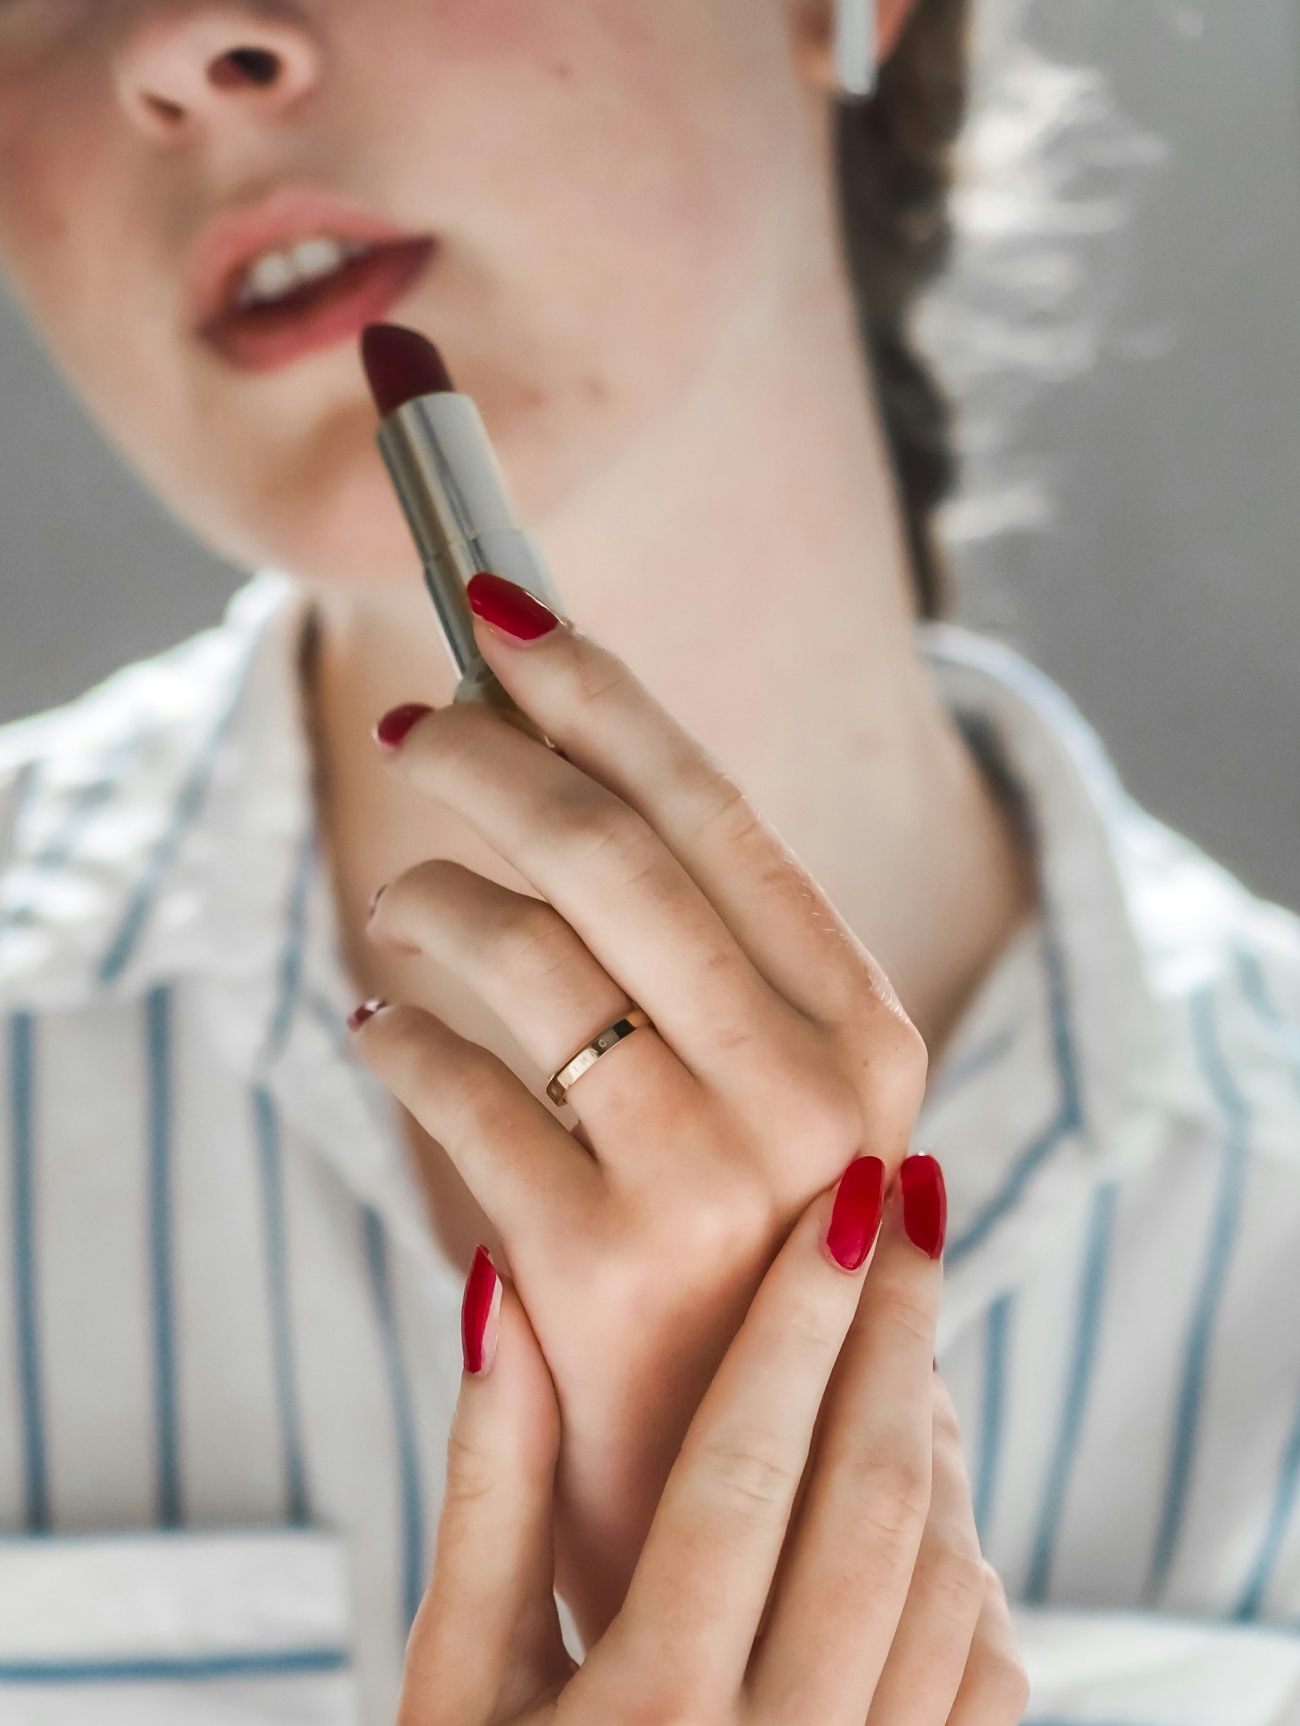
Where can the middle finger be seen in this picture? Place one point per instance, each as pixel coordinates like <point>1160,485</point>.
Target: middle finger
<point>616,884</point>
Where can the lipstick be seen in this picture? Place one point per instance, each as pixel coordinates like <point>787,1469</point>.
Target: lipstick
<point>445,473</point>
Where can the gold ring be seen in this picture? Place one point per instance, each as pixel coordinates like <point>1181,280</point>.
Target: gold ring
<point>557,1086</point>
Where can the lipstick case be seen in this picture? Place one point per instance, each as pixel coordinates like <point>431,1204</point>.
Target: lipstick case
<point>450,487</point>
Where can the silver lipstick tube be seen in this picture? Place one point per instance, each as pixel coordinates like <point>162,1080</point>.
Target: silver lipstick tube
<point>450,487</point>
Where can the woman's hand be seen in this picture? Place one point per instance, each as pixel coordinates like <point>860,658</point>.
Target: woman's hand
<point>779,1051</point>
<point>867,1603</point>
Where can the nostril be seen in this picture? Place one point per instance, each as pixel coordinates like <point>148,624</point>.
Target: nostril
<point>243,66</point>
<point>170,113</point>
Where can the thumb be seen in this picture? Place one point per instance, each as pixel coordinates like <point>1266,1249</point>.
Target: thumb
<point>486,1642</point>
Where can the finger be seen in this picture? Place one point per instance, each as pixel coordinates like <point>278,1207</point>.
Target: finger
<point>512,1152</point>
<point>995,1688</point>
<point>486,1641</point>
<point>611,878</point>
<point>608,724</point>
<point>699,1589</point>
<point>529,967</point>
<point>846,1577</point>
<point>923,1672</point>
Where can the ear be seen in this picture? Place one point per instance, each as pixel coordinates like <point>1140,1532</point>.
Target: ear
<point>813,29</point>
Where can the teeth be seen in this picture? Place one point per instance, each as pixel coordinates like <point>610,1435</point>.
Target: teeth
<point>275,275</point>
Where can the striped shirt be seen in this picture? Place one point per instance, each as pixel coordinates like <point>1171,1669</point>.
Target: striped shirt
<point>228,1349</point>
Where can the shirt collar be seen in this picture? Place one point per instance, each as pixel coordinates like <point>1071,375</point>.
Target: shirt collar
<point>159,820</point>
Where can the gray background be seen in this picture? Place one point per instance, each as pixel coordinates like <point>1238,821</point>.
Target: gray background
<point>1161,593</point>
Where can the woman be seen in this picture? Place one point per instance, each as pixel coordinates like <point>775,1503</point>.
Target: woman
<point>228,1309</point>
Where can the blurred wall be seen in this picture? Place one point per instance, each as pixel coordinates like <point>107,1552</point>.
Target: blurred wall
<point>1162,591</point>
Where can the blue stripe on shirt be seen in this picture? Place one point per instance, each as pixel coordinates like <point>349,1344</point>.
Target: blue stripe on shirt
<point>183,1668</point>
<point>158,1044</point>
<point>184,812</point>
<point>1083,1360</point>
<point>997,1335</point>
<point>1223,1238</point>
<point>1284,1500</point>
<point>408,1453</point>
<point>267,1127</point>
<point>1257,995</point>
<point>31,1387</point>
<point>1067,1120</point>
<point>292,951</point>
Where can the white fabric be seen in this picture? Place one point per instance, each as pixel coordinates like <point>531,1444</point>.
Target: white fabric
<point>1113,1669</point>
<point>225,1628</point>
<point>221,1308</point>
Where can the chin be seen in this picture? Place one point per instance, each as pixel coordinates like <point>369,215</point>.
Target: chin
<point>327,515</point>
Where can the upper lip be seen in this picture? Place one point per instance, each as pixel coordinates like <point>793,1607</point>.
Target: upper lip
<point>233,240</point>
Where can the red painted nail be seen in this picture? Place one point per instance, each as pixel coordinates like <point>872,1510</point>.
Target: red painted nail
<point>855,1219</point>
<point>366,1010</point>
<point>925,1204</point>
<point>510,607</point>
<point>398,723</point>
<point>476,1310</point>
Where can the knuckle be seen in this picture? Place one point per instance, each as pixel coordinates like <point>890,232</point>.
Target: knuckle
<point>599,677</point>
<point>471,1470</point>
<point>531,939</point>
<point>902,1308</point>
<point>751,1476</point>
<point>419,889</point>
<point>609,836</point>
<point>895,1495</point>
<point>957,1582</point>
<point>895,1062</point>
<point>473,1094</point>
<point>812,1325</point>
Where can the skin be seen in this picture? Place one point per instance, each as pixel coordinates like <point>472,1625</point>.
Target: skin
<point>835,1580</point>
<point>638,278</point>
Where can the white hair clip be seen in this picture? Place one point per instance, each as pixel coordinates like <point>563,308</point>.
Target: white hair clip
<point>855,46</point>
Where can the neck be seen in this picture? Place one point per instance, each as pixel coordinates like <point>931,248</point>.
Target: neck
<point>745,559</point>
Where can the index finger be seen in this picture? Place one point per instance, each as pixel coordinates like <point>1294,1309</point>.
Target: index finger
<point>608,724</point>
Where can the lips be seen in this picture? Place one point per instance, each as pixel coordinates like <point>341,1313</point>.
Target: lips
<point>249,305</point>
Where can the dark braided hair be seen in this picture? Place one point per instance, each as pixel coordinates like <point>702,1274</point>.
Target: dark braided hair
<point>895,165</point>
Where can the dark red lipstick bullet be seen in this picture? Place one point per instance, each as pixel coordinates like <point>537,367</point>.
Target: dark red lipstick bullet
<point>401,365</point>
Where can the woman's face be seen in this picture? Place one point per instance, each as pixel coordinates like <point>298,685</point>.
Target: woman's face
<point>582,201</point>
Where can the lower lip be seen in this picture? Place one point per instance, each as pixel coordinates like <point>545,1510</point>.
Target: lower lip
<point>321,314</point>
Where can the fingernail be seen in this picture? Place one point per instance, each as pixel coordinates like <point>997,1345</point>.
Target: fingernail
<point>398,723</point>
<point>510,607</point>
<point>480,1314</point>
<point>366,1010</point>
<point>855,1217</point>
<point>925,1204</point>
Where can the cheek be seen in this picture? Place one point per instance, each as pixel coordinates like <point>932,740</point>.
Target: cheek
<point>618,192</point>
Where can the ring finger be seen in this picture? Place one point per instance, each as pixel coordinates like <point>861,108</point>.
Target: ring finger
<point>535,974</point>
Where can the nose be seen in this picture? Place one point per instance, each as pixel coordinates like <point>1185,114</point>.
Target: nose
<point>183,71</point>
